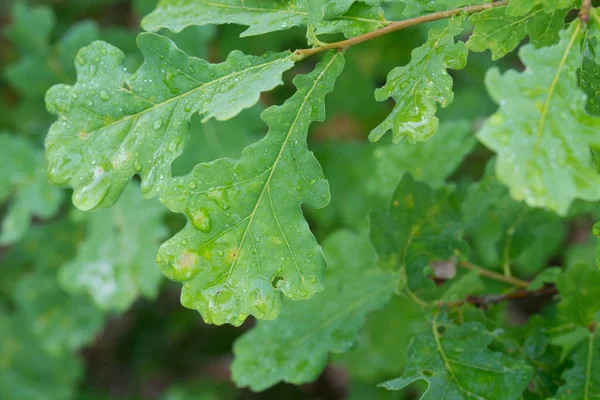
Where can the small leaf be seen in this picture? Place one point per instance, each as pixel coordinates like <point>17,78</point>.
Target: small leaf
<point>23,179</point>
<point>418,86</point>
<point>418,227</point>
<point>116,264</point>
<point>456,363</point>
<point>246,241</point>
<point>113,124</point>
<point>501,32</point>
<point>294,348</point>
<point>263,16</point>
<point>541,131</point>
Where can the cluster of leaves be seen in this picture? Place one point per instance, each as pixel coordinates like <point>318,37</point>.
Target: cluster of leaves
<point>416,243</point>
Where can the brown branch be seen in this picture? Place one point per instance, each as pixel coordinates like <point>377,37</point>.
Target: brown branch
<point>584,11</point>
<point>485,301</point>
<point>494,275</point>
<point>396,26</point>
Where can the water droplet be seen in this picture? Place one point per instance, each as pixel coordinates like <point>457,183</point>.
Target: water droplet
<point>157,124</point>
<point>219,196</point>
<point>201,220</point>
<point>137,164</point>
<point>220,252</point>
<point>104,95</point>
<point>192,185</point>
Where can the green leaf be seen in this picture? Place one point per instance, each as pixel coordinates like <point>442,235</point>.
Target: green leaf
<point>26,371</point>
<point>378,354</point>
<point>419,7</point>
<point>541,131</point>
<point>522,7</point>
<point>457,364</point>
<point>263,16</point>
<point>116,262</point>
<point>420,85</point>
<point>246,240</point>
<point>589,74</point>
<point>113,124</point>
<point>48,309</point>
<point>363,176</point>
<point>578,288</point>
<point>61,322</point>
<point>23,180</point>
<point>582,381</point>
<point>43,64</point>
<point>418,227</point>
<point>506,234</point>
<point>28,40</point>
<point>501,32</point>
<point>294,348</point>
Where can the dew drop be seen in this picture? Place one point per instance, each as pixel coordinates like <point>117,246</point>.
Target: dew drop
<point>192,185</point>
<point>201,220</point>
<point>157,124</point>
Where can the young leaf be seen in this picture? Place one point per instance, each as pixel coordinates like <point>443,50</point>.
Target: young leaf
<point>541,132</point>
<point>294,348</point>
<point>113,124</point>
<point>115,264</point>
<point>418,86</point>
<point>246,241</point>
<point>582,381</point>
<point>501,32</point>
<point>26,371</point>
<point>579,298</point>
<point>23,178</point>
<point>263,16</point>
<point>418,227</point>
<point>456,363</point>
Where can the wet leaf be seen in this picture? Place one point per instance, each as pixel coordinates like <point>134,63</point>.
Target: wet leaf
<point>294,348</point>
<point>113,124</point>
<point>246,241</point>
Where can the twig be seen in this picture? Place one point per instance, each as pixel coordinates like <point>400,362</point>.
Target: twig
<point>396,26</point>
<point>584,11</point>
<point>485,301</point>
<point>494,275</point>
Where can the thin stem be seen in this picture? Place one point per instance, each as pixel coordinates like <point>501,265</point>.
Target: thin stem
<point>398,25</point>
<point>494,275</point>
<point>510,232</point>
<point>485,301</point>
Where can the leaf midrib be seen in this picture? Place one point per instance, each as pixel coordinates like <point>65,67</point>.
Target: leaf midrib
<point>273,168</point>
